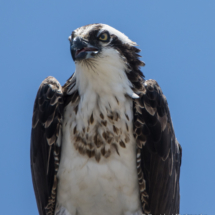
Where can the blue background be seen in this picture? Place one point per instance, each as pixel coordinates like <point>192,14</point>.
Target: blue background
<point>177,39</point>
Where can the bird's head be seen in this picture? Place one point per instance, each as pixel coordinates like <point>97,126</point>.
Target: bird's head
<point>95,41</point>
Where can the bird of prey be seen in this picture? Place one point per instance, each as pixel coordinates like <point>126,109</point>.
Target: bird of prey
<point>104,143</point>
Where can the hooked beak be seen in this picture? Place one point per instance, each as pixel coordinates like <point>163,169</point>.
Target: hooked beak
<point>81,49</point>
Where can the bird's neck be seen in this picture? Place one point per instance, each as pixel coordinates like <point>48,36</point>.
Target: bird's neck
<point>102,78</point>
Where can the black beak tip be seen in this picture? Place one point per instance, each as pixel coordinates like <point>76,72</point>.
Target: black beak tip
<point>79,56</point>
<point>77,44</point>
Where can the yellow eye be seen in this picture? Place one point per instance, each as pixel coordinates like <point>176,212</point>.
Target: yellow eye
<point>104,37</point>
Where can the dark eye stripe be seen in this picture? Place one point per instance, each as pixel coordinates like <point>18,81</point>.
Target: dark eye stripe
<point>93,35</point>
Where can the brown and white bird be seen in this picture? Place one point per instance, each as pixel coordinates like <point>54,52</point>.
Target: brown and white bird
<point>104,143</point>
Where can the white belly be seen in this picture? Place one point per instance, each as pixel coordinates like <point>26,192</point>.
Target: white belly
<point>88,187</point>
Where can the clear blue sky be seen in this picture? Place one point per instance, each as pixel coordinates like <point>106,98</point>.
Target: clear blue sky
<point>177,39</point>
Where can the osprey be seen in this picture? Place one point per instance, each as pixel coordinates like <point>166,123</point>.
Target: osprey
<point>104,143</point>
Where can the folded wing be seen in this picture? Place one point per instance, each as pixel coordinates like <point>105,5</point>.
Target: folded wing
<point>46,143</point>
<point>158,152</point>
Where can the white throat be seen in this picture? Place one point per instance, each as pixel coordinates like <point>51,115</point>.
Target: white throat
<point>105,74</point>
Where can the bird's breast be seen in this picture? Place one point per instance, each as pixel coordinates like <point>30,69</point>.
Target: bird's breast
<point>97,129</point>
<point>98,160</point>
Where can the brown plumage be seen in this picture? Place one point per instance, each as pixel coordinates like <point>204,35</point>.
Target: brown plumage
<point>46,124</point>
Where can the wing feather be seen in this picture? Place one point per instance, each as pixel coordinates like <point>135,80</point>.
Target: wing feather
<point>45,152</point>
<point>158,152</point>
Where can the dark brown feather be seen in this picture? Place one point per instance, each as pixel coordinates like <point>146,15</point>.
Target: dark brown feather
<point>45,154</point>
<point>160,160</point>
